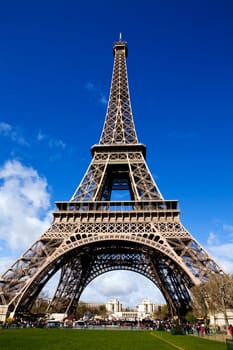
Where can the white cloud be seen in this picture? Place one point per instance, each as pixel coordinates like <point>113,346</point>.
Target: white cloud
<point>24,205</point>
<point>90,86</point>
<point>212,239</point>
<point>228,228</point>
<point>5,128</point>
<point>223,255</point>
<point>104,100</point>
<point>14,135</point>
<point>56,143</point>
<point>51,141</point>
<point>6,262</point>
<point>96,92</point>
<point>222,251</point>
<point>128,287</point>
<point>41,136</point>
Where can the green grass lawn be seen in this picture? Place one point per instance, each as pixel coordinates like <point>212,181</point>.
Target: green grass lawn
<point>73,339</point>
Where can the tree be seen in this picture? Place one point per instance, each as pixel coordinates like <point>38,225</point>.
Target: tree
<point>190,317</point>
<point>84,309</point>
<point>41,304</point>
<point>81,310</point>
<point>162,312</point>
<point>199,301</point>
<point>102,310</point>
<point>212,296</point>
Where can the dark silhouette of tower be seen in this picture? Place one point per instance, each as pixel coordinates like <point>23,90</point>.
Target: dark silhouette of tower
<point>92,233</point>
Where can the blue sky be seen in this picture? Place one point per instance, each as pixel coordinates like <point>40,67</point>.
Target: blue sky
<point>55,73</point>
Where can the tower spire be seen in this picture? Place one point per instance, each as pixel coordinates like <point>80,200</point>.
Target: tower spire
<point>119,125</point>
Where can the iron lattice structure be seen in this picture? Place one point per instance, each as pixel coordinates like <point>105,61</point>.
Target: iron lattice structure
<point>92,234</point>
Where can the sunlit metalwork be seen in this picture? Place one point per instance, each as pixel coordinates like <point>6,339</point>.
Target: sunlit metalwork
<point>92,234</point>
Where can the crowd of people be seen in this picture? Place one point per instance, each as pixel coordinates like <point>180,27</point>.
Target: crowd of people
<point>198,328</point>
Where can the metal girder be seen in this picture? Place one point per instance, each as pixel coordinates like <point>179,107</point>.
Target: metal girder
<point>97,183</point>
<point>119,255</point>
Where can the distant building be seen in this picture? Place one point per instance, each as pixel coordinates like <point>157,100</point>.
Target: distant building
<point>113,306</point>
<point>92,305</point>
<point>124,315</point>
<point>146,308</point>
<point>219,320</point>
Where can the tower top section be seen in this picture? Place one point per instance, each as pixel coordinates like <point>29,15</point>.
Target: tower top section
<point>120,46</point>
<point>119,125</point>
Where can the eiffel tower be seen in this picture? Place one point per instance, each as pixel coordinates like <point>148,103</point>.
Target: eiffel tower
<point>92,233</point>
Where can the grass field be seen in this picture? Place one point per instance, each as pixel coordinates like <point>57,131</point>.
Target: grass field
<point>71,339</point>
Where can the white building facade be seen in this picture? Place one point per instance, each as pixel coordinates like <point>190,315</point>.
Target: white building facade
<point>113,306</point>
<point>145,309</point>
<point>219,319</point>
